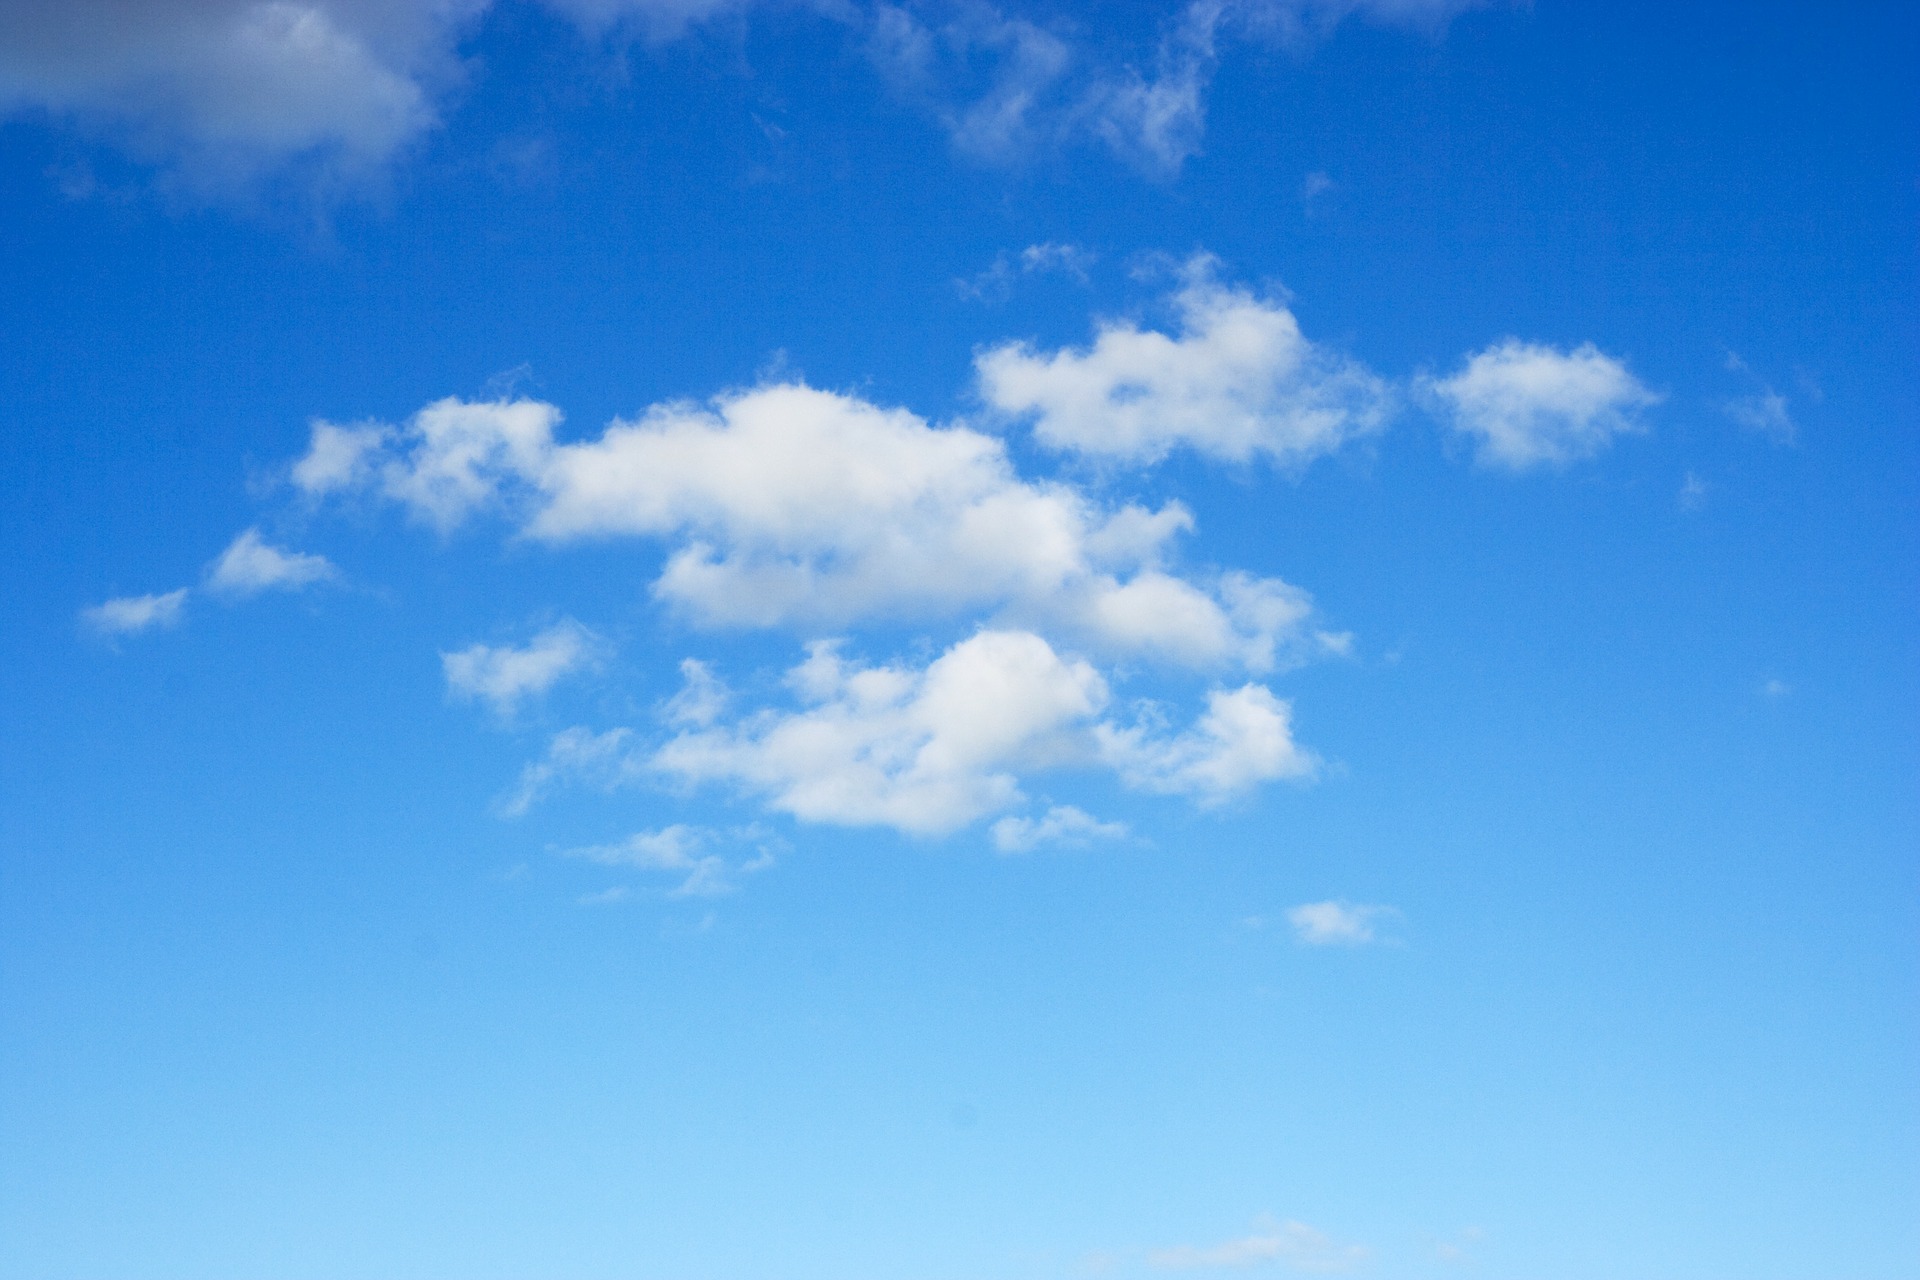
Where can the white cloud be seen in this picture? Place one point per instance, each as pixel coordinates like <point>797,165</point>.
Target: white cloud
<point>505,675</point>
<point>1776,688</point>
<point>225,88</point>
<point>1322,924</point>
<point>1763,411</point>
<point>1237,379</point>
<point>1529,405</point>
<point>1292,1244</point>
<point>791,506</point>
<point>250,565</point>
<point>929,750</point>
<point>338,458</point>
<point>1061,824</point>
<point>998,84</point>
<point>222,92</point>
<point>129,615</point>
<point>702,697</point>
<point>1157,121</point>
<point>924,751</point>
<point>601,759</point>
<point>1244,738</point>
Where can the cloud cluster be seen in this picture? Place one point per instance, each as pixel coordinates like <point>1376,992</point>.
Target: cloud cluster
<point>249,566</point>
<point>1528,405</point>
<point>818,513</point>
<point>1236,380</point>
<point>929,749</point>
<point>788,506</point>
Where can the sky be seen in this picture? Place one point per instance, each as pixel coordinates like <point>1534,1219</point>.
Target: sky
<point>826,640</point>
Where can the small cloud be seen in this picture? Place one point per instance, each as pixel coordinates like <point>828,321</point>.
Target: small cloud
<point>1294,1245</point>
<point>1062,824</point>
<point>1326,924</point>
<point>1763,411</point>
<point>1776,689</point>
<point>1529,405</point>
<point>1316,185</point>
<point>250,565</point>
<point>505,675</point>
<point>606,897</point>
<point>130,615</point>
<point>1693,493</point>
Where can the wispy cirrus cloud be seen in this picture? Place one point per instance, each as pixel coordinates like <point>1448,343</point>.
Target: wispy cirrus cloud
<point>505,675</point>
<point>130,615</point>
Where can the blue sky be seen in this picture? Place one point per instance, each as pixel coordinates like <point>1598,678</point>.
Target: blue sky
<point>665,638</point>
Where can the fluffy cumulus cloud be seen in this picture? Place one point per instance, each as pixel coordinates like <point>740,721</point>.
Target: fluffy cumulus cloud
<point>1245,737</point>
<point>504,676</point>
<point>1527,405</point>
<point>1290,1244</point>
<point>785,505</point>
<point>129,615</point>
<point>1235,380</point>
<point>927,750</point>
<point>1328,924</point>
<point>251,565</point>
<point>1061,824</point>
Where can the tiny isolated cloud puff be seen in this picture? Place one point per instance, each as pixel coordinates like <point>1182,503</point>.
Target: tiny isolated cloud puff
<point>130,615</point>
<point>1336,923</point>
